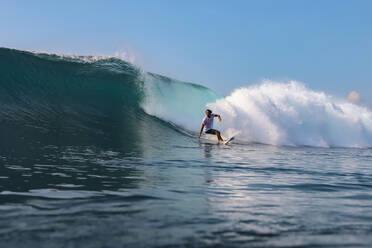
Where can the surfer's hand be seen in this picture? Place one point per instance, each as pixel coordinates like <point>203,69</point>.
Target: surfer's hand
<point>219,118</point>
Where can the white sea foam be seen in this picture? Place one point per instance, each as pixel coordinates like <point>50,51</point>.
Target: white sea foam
<point>291,114</point>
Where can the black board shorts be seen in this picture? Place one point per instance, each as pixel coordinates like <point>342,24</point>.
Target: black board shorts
<point>211,131</point>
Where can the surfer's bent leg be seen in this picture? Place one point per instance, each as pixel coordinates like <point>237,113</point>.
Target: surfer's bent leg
<point>219,135</point>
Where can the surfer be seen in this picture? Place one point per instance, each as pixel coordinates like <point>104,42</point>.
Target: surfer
<point>208,124</point>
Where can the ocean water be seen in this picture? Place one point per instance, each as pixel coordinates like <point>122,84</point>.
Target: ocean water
<point>95,153</point>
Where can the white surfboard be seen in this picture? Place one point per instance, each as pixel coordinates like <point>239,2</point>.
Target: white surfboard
<point>228,141</point>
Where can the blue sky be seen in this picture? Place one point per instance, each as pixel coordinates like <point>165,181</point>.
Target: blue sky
<point>220,44</point>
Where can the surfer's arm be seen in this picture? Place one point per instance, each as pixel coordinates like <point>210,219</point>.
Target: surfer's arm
<point>218,116</point>
<point>201,130</point>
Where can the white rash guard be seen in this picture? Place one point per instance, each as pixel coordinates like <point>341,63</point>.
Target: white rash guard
<point>208,122</point>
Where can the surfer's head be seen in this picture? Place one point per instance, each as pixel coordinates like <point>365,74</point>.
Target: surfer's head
<point>208,112</point>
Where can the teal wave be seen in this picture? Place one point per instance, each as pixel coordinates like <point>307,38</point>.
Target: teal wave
<point>66,100</point>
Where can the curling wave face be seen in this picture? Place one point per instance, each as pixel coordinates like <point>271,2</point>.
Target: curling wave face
<point>53,99</point>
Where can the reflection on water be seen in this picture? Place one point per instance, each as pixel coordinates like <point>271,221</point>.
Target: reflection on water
<point>207,148</point>
<point>182,192</point>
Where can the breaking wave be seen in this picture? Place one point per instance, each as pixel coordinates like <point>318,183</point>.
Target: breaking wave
<point>48,98</point>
